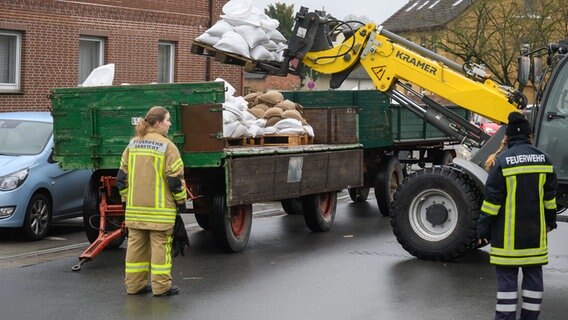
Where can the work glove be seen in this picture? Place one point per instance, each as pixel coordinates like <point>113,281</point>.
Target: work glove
<point>181,239</point>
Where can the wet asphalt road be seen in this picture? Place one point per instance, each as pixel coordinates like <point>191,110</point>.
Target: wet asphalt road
<point>356,271</point>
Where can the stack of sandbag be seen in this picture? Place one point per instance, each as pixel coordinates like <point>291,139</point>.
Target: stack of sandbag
<point>259,114</point>
<point>246,31</point>
<point>282,116</point>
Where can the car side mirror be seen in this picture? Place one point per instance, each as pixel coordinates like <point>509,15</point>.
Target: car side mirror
<point>537,70</point>
<point>50,158</point>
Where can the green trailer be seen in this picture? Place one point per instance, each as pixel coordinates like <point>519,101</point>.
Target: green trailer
<point>393,138</point>
<point>92,126</point>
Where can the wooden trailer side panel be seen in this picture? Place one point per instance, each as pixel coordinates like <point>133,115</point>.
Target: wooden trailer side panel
<point>267,178</point>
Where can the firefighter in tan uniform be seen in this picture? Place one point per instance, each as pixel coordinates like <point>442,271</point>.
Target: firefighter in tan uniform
<point>151,183</point>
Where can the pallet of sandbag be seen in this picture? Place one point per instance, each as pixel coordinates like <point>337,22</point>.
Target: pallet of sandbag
<point>249,65</point>
<point>244,142</point>
<point>286,140</point>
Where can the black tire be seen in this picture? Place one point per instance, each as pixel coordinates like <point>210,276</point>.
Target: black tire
<point>38,217</point>
<point>91,214</point>
<point>292,206</point>
<point>359,194</point>
<point>230,226</point>
<point>389,178</point>
<point>203,221</point>
<point>435,212</point>
<point>319,210</point>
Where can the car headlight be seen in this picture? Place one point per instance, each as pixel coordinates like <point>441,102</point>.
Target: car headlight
<point>13,180</point>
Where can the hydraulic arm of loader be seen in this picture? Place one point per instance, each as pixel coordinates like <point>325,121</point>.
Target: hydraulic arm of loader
<point>390,60</point>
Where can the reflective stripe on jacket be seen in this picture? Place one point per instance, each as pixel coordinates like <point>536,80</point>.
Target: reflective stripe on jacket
<point>151,181</point>
<point>519,204</point>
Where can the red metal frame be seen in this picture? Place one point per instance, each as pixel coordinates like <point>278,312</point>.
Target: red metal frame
<point>108,210</point>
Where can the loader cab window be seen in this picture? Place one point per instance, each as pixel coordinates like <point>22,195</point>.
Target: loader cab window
<point>552,129</point>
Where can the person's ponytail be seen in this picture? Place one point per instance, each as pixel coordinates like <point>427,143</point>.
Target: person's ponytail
<point>154,115</point>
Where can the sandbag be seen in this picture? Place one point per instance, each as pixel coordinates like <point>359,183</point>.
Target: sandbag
<point>101,76</point>
<point>275,36</point>
<point>234,43</point>
<point>219,28</point>
<point>309,130</point>
<point>292,114</point>
<point>208,39</point>
<point>273,112</point>
<point>254,36</point>
<point>286,105</point>
<point>271,98</point>
<point>256,112</point>
<point>238,8</point>
<point>262,106</point>
<point>260,53</point>
<point>270,122</point>
<point>289,124</point>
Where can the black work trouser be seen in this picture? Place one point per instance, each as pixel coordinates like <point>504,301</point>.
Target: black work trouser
<point>507,292</point>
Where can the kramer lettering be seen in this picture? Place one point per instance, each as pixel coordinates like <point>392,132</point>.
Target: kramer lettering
<point>420,64</point>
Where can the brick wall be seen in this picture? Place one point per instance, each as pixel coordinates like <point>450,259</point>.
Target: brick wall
<point>131,29</point>
<point>291,82</point>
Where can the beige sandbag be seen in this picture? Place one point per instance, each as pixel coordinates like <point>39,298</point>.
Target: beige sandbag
<point>271,98</point>
<point>262,106</point>
<point>272,121</point>
<point>257,112</point>
<point>273,112</point>
<point>251,96</point>
<point>286,105</point>
<point>292,114</point>
<point>299,107</point>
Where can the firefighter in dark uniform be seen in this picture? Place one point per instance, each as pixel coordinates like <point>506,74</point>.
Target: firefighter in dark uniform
<point>518,210</point>
<point>151,183</point>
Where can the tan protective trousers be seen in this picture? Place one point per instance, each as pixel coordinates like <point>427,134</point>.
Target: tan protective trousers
<point>148,252</point>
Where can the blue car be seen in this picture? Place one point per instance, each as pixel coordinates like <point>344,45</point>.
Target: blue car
<point>34,190</point>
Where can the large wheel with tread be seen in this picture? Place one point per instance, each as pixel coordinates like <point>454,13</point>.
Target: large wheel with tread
<point>231,226</point>
<point>38,217</point>
<point>203,221</point>
<point>91,213</point>
<point>388,179</point>
<point>435,212</point>
<point>359,194</point>
<point>319,210</point>
<point>292,206</point>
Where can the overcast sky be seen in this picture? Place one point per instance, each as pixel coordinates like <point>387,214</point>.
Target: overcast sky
<point>376,10</point>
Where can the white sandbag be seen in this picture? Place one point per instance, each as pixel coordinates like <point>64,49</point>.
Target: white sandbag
<point>252,35</point>
<point>271,45</point>
<point>281,46</point>
<point>291,131</point>
<point>270,130</point>
<point>220,28</point>
<point>254,131</point>
<point>278,56</point>
<point>289,123</point>
<point>239,131</point>
<point>275,35</point>
<point>268,23</point>
<point>238,8</point>
<point>260,53</point>
<point>229,128</point>
<point>101,76</point>
<point>260,122</point>
<point>208,39</point>
<point>249,117</point>
<point>229,89</point>
<point>231,114</point>
<point>234,43</point>
<point>309,130</point>
<point>250,20</point>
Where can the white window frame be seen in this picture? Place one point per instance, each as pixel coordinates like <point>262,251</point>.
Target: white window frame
<point>15,86</point>
<point>101,61</point>
<point>172,47</point>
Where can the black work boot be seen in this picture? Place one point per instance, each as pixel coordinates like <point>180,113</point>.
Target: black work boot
<point>172,291</point>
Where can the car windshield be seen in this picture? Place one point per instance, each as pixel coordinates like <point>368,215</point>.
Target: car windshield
<point>23,137</point>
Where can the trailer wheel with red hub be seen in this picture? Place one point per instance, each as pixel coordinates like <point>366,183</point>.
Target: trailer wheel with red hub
<point>319,210</point>
<point>231,226</point>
